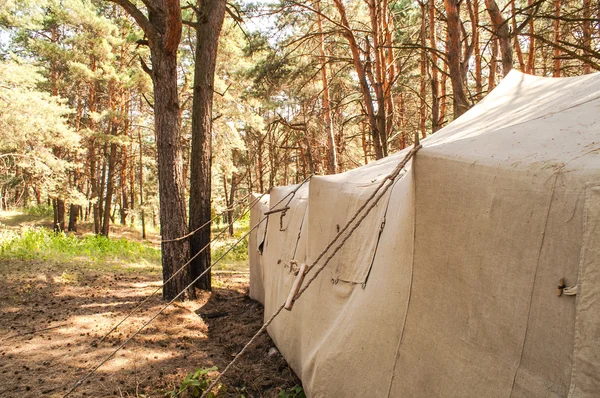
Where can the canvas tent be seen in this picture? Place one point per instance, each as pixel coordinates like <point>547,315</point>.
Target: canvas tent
<point>449,286</point>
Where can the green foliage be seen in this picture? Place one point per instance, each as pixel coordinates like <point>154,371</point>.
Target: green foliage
<point>194,384</point>
<point>294,392</point>
<point>33,128</point>
<point>43,244</point>
<point>238,256</point>
<point>39,210</point>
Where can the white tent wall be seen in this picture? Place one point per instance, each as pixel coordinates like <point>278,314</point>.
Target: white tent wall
<point>260,204</point>
<point>458,295</point>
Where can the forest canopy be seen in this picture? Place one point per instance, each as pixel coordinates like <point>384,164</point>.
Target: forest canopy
<point>300,88</point>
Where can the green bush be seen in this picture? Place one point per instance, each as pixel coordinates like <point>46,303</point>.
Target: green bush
<point>39,210</point>
<point>44,244</point>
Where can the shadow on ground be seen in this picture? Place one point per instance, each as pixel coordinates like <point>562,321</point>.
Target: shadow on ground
<point>50,324</point>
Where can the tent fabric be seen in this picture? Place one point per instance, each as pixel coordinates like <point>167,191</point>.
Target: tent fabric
<point>449,288</point>
<point>260,204</point>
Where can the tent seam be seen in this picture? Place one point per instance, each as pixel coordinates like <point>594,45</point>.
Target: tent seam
<point>537,264</point>
<point>581,271</point>
<point>412,265</point>
<point>300,231</point>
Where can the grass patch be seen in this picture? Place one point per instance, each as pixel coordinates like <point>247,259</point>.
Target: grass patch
<point>40,211</point>
<point>237,258</point>
<point>44,244</point>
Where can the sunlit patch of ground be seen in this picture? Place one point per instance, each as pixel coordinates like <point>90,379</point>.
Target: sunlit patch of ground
<point>52,316</point>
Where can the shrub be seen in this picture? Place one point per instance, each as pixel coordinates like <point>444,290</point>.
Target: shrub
<point>44,244</point>
<point>40,210</point>
<point>194,384</point>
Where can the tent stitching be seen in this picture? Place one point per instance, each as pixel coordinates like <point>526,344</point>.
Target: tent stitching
<point>412,265</point>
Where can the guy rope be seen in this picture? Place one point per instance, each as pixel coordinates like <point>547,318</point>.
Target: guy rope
<point>106,359</point>
<point>369,204</point>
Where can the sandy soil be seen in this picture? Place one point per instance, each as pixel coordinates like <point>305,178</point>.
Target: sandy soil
<point>51,320</point>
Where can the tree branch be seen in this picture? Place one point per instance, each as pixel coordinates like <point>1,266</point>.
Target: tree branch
<point>145,67</point>
<point>191,24</point>
<point>564,49</point>
<point>136,14</point>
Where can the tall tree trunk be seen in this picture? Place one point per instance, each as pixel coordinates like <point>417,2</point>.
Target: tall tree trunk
<point>435,95</point>
<point>141,177</point>
<point>124,165</point>
<point>502,31</point>
<point>460,101</point>
<point>124,191</point>
<point>112,159</point>
<point>38,196</point>
<point>423,65</point>
<point>531,55</point>
<point>170,180</point>
<point>102,187</point>
<point>557,37</point>
<point>209,17</point>
<point>331,149</point>
<point>378,80</point>
<point>59,214</point>
<point>493,65</point>
<point>389,65</point>
<point>587,32</point>
<point>515,36</point>
<point>477,51</point>
<point>73,216</point>
<point>94,185</point>
<point>163,29</point>
<point>444,102</point>
<point>260,164</point>
<point>92,154</point>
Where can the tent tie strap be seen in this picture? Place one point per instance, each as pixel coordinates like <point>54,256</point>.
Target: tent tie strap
<point>563,289</point>
<point>289,303</point>
<point>284,209</point>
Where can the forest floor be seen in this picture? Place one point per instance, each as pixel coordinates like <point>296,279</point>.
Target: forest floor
<point>54,311</point>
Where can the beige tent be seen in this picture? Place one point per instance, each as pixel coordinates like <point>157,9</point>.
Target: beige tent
<point>449,286</point>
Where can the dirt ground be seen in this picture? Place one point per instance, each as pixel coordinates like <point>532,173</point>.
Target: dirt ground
<point>51,318</point>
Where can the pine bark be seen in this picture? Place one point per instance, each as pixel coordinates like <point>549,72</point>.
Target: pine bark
<point>112,159</point>
<point>587,32</point>
<point>557,53</point>
<point>477,52</point>
<point>531,56</point>
<point>59,214</point>
<point>73,216</point>
<point>457,78</point>
<point>209,17</point>
<point>502,32</point>
<point>163,28</point>
<point>423,65</point>
<point>435,95</point>
<point>331,149</point>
